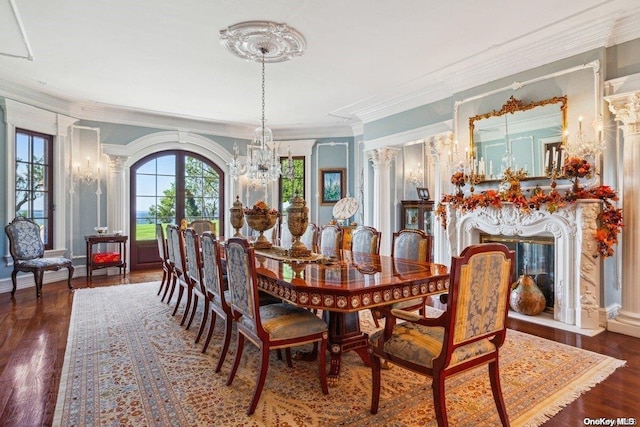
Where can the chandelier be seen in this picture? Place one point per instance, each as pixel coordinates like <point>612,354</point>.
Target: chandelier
<point>262,41</point>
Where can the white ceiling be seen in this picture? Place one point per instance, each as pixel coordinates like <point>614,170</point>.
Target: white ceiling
<point>364,58</point>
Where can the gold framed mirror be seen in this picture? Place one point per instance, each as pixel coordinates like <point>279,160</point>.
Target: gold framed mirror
<point>528,137</point>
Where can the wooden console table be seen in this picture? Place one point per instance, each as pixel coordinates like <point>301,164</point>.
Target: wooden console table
<point>120,257</point>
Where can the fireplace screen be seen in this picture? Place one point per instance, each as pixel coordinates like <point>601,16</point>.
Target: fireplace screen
<point>535,256</point>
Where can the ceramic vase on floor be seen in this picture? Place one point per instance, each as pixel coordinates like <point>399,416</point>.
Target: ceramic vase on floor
<point>526,297</point>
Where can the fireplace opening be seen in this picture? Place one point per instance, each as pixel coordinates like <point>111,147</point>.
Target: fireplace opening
<point>535,256</point>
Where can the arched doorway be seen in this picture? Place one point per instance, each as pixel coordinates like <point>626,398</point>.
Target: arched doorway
<point>166,187</point>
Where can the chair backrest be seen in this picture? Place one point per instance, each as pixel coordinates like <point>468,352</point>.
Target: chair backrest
<point>177,243</point>
<point>415,245</point>
<point>170,256</point>
<point>202,225</point>
<point>479,288</point>
<point>242,278</point>
<point>310,237</point>
<point>193,259</point>
<point>25,242</point>
<point>162,243</point>
<point>330,239</point>
<point>286,239</point>
<point>365,239</point>
<point>211,267</point>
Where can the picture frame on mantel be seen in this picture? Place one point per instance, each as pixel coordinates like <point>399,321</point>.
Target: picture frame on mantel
<point>423,193</point>
<point>332,185</point>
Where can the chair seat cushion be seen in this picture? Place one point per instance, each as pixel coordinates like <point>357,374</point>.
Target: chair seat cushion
<point>44,263</point>
<point>421,344</point>
<point>285,321</point>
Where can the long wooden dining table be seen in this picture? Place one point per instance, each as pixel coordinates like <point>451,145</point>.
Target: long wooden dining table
<point>343,285</point>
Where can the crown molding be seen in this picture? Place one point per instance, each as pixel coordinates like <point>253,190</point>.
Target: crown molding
<point>410,136</point>
<point>591,30</point>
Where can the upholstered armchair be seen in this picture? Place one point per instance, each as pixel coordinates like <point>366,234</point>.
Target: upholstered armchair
<point>468,334</point>
<point>330,240</point>
<point>27,250</point>
<point>365,239</point>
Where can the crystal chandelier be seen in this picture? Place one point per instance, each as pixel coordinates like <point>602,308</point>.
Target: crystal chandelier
<point>267,42</point>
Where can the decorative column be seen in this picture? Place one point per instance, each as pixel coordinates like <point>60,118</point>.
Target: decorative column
<point>117,195</point>
<point>381,159</point>
<point>626,108</point>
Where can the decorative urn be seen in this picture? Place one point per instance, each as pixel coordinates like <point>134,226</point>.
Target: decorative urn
<point>526,297</point>
<point>237,216</point>
<point>298,220</point>
<point>261,218</point>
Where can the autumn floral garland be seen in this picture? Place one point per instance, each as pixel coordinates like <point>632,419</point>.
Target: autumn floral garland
<point>609,219</point>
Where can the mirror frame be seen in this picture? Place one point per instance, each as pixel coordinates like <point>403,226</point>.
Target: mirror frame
<point>514,105</point>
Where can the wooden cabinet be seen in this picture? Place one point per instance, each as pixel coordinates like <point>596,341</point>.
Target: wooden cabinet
<point>417,214</point>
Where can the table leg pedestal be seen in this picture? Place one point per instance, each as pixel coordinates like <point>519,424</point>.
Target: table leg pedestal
<point>344,335</point>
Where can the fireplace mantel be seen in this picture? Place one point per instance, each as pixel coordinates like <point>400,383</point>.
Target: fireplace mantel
<point>577,263</point>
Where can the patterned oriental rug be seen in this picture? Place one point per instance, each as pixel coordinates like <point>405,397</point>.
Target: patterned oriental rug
<point>128,362</point>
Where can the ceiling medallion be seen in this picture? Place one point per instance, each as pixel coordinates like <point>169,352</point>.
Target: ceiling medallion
<point>250,40</point>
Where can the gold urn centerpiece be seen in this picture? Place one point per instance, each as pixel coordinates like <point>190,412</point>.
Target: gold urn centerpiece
<point>297,221</point>
<point>237,216</point>
<point>261,218</point>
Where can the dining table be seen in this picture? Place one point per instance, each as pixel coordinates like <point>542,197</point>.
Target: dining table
<point>343,284</point>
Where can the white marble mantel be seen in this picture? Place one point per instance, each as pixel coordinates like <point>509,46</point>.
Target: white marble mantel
<point>577,264</point>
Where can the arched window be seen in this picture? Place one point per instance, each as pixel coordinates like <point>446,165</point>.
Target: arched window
<point>166,188</point>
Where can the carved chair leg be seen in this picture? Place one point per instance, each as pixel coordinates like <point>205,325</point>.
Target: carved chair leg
<point>187,308</point>
<point>14,281</point>
<point>236,360</point>
<point>322,365</point>
<point>375,383</point>
<point>262,377</point>
<point>205,316</point>
<point>212,326</point>
<point>38,276</point>
<point>171,284</point>
<point>180,292</point>
<point>496,389</point>
<point>71,269</point>
<point>439,403</point>
<point>225,343</point>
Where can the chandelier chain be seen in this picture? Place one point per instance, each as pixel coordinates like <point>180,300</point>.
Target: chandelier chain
<point>263,50</point>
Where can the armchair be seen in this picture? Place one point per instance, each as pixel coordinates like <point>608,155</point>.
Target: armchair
<point>27,250</point>
<point>468,334</point>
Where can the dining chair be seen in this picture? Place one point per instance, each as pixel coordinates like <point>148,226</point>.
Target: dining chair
<point>330,239</point>
<point>218,298</point>
<point>365,239</point>
<point>195,287</point>
<point>27,250</point>
<point>273,326</point>
<point>173,278</point>
<point>164,259</point>
<point>202,225</point>
<point>180,269</point>
<point>466,335</point>
<point>411,244</point>
<point>310,237</point>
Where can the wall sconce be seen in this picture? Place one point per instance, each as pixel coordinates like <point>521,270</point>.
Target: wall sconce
<point>86,175</point>
<point>416,178</point>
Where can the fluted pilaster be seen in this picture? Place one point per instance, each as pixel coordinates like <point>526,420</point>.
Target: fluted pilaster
<point>626,108</point>
<point>381,159</point>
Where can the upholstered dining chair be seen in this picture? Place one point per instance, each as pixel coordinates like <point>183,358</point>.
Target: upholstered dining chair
<point>27,250</point>
<point>179,269</point>
<point>202,225</point>
<point>173,279</point>
<point>217,297</point>
<point>164,259</point>
<point>466,335</point>
<point>310,237</point>
<point>330,239</point>
<point>414,245</point>
<point>365,239</point>
<point>273,326</point>
<point>195,287</point>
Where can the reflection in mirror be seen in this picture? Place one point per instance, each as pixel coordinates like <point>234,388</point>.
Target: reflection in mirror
<point>527,137</point>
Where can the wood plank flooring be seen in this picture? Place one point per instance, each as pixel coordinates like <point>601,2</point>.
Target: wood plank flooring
<point>33,335</point>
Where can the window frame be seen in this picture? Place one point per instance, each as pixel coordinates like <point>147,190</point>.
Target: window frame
<point>48,188</point>
<point>300,179</point>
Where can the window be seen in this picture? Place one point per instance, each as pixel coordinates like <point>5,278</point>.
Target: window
<point>34,181</point>
<point>290,187</point>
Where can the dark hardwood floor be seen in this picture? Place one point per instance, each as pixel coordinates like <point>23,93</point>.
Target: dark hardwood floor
<point>33,335</point>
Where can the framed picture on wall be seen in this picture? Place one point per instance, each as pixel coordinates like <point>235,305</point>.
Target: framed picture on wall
<point>332,185</point>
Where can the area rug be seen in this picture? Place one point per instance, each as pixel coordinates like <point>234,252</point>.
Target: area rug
<point>128,362</point>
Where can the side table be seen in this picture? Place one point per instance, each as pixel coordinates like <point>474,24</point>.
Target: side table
<point>99,260</point>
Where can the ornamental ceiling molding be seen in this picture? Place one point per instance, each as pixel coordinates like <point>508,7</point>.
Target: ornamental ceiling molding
<point>249,40</point>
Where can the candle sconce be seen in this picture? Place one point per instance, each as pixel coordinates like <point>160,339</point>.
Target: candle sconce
<point>85,175</point>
